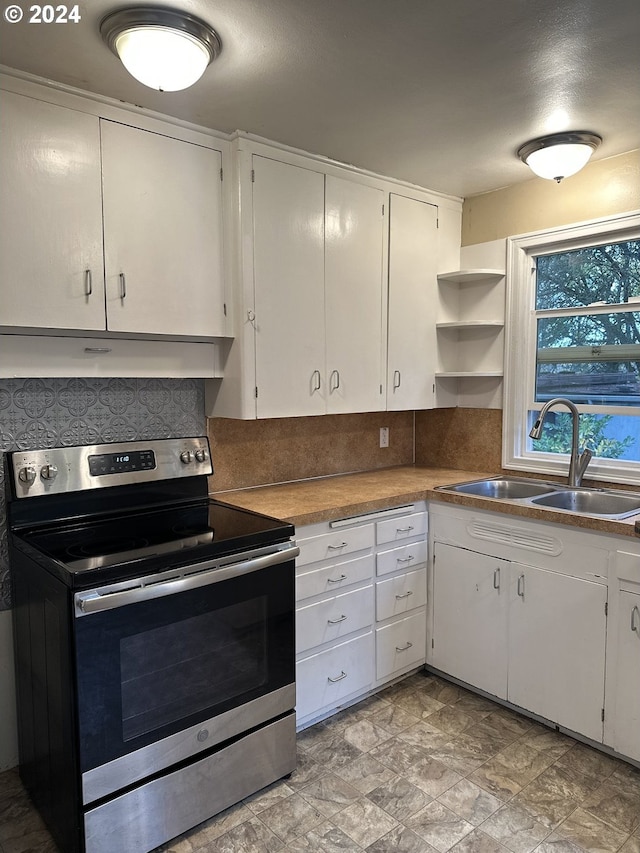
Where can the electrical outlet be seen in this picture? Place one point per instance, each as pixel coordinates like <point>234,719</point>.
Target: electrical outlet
<point>384,436</point>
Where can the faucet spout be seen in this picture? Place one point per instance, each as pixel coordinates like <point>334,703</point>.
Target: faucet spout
<point>578,461</point>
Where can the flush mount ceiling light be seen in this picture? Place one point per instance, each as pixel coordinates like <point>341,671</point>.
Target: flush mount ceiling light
<point>162,48</point>
<point>560,155</point>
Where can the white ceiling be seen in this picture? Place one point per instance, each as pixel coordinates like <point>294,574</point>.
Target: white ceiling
<point>437,92</point>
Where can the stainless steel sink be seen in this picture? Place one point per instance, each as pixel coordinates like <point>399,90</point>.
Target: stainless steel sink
<point>606,503</point>
<point>504,488</point>
<point>591,502</point>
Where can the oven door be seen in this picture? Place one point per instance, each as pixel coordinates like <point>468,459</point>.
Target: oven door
<point>171,665</point>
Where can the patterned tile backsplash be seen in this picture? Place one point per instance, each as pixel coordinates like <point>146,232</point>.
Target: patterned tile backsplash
<point>37,413</point>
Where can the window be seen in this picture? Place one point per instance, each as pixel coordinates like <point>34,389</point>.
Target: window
<point>574,331</point>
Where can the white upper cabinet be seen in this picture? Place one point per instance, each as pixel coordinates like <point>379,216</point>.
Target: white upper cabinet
<point>51,267</point>
<point>354,239</point>
<point>90,202</point>
<point>317,265</point>
<point>413,253</point>
<point>162,234</point>
<point>288,257</point>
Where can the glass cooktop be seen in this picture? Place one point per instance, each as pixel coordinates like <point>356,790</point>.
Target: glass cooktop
<point>199,531</point>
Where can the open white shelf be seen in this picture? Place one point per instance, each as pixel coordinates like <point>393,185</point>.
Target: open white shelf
<point>470,324</point>
<point>471,276</point>
<point>470,374</point>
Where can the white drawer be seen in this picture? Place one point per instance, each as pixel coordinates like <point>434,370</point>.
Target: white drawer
<point>403,527</point>
<point>333,578</point>
<point>335,544</point>
<point>333,618</point>
<point>403,557</point>
<point>401,644</point>
<point>404,592</point>
<point>322,680</point>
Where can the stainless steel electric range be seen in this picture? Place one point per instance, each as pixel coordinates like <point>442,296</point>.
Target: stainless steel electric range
<point>154,636</point>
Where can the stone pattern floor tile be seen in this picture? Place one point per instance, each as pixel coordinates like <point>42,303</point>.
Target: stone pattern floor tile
<point>424,766</point>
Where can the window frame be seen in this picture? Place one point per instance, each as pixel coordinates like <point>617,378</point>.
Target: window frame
<point>521,344</point>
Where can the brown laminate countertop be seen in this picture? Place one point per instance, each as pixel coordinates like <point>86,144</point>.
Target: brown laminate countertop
<point>344,495</point>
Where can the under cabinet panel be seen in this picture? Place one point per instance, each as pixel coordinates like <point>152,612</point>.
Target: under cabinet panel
<point>401,644</point>
<point>333,578</point>
<point>625,707</point>
<point>397,595</point>
<point>324,679</point>
<point>333,618</point>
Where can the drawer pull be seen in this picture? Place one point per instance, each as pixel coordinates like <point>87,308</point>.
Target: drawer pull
<point>405,595</point>
<point>635,624</point>
<point>337,547</point>
<point>405,559</point>
<point>336,621</point>
<point>342,675</point>
<point>337,580</point>
<point>404,529</point>
<point>404,648</point>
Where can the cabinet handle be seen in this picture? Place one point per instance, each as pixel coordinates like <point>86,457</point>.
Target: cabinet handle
<point>405,595</point>
<point>335,387</point>
<point>97,350</point>
<point>123,286</point>
<point>316,385</point>
<point>337,547</point>
<point>336,621</point>
<point>88,284</point>
<point>635,620</point>
<point>404,648</point>
<point>404,529</point>
<point>342,675</point>
<point>405,559</point>
<point>496,579</point>
<point>396,379</point>
<point>337,580</point>
<point>521,586</point>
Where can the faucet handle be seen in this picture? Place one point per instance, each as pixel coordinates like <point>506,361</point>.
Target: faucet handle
<point>585,457</point>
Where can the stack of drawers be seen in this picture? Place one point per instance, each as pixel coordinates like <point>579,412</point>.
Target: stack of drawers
<point>361,615</point>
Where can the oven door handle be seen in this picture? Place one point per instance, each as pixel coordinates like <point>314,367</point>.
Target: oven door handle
<point>106,598</point>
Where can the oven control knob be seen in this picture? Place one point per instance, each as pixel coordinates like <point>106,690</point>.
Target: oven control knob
<point>27,475</point>
<point>202,455</point>
<point>186,457</point>
<point>48,472</point>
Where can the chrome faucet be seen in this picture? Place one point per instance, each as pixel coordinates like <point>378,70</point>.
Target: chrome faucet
<point>579,461</point>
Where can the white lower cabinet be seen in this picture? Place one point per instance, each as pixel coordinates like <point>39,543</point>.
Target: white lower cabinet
<point>622,698</point>
<point>353,634</point>
<point>470,617</point>
<point>534,635</point>
<point>400,645</point>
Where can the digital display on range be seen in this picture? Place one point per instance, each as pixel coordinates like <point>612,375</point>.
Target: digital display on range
<point>121,463</point>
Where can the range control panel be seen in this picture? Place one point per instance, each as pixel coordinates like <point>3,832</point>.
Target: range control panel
<point>59,470</point>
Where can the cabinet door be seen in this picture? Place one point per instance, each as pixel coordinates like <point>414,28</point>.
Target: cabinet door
<point>288,234</point>
<point>470,617</point>
<point>411,356</point>
<point>353,280</point>
<point>162,234</point>
<point>51,264</point>
<point>626,710</point>
<point>557,631</point>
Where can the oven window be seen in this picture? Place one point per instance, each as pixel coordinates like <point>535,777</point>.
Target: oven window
<point>176,670</point>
